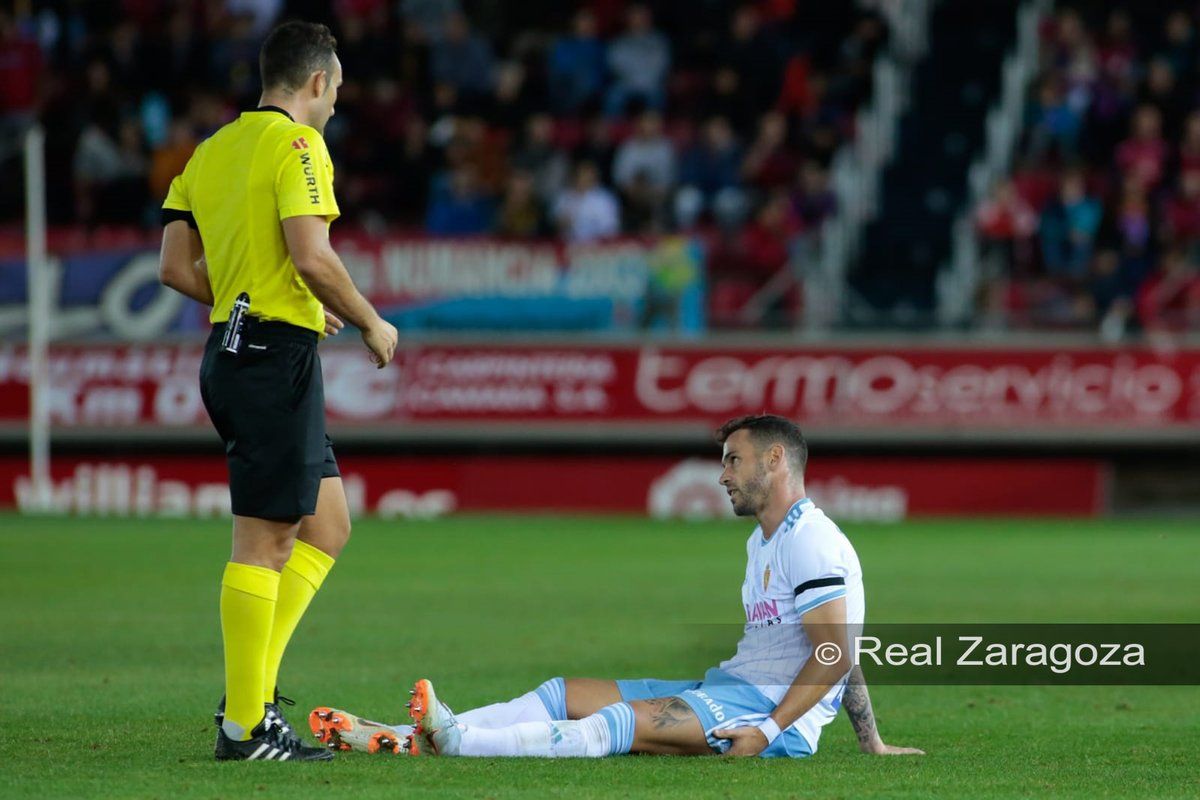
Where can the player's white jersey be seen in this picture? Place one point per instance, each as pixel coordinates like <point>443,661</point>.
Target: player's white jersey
<point>806,563</point>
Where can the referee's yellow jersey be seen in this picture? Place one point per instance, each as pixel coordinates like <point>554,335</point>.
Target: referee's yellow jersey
<point>239,184</point>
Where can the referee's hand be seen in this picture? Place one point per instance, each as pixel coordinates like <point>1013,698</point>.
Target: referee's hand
<point>333,325</point>
<point>380,339</point>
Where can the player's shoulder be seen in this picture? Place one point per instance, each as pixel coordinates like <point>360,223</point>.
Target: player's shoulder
<point>817,522</point>
<point>296,136</point>
<point>814,530</point>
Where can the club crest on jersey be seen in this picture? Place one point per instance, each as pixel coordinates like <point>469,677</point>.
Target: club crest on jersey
<point>300,144</point>
<point>766,577</point>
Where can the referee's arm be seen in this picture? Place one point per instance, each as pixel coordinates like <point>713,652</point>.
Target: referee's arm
<point>307,238</point>
<point>181,264</point>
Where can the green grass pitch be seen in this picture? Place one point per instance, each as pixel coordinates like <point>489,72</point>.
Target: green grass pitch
<point>110,655</point>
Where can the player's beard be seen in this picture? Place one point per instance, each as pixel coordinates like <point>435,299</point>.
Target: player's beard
<point>751,495</point>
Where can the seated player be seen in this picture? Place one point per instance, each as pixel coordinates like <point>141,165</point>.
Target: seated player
<point>803,597</point>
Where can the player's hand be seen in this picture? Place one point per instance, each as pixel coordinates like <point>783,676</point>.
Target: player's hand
<point>747,741</point>
<point>380,339</point>
<point>333,325</point>
<point>878,748</point>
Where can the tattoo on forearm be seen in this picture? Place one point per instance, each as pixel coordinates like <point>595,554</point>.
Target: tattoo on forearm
<point>668,712</point>
<point>857,703</point>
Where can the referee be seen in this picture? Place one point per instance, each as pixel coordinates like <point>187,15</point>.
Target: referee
<point>246,231</point>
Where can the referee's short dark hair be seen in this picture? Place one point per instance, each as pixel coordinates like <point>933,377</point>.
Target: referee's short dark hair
<point>768,429</point>
<point>292,52</point>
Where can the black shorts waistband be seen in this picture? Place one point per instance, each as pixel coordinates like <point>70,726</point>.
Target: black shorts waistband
<point>270,330</point>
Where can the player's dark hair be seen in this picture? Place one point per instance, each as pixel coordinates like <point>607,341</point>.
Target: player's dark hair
<point>292,52</point>
<point>769,429</point>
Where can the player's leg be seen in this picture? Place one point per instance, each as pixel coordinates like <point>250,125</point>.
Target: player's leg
<point>586,696</point>
<point>328,530</point>
<point>545,703</point>
<point>658,725</point>
<point>667,726</point>
<point>320,540</point>
<point>249,592</point>
<point>267,405</point>
<point>565,699</point>
<point>556,699</point>
<point>317,495</point>
<point>343,730</point>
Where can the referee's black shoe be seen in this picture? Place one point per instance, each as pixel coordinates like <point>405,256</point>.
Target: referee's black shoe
<point>267,742</point>
<point>270,711</point>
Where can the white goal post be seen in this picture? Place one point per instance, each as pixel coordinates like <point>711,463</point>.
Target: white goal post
<point>38,297</point>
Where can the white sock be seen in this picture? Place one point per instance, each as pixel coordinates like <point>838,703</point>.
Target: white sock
<point>546,703</point>
<point>526,708</point>
<point>607,732</point>
<point>565,739</point>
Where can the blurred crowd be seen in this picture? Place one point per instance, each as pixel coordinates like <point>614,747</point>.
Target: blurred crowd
<point>584,120</point>
<point>1099,225</point>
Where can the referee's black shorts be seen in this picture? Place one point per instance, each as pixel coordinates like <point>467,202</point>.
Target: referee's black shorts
<point>268,405</point>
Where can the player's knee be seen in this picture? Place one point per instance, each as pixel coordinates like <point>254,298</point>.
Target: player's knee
<point>280,552</point>
<point>264,546</point>
<point>338,536</point>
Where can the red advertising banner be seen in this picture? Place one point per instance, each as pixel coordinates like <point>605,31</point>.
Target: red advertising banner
<point>1084,392</point>
<point>849,489</point>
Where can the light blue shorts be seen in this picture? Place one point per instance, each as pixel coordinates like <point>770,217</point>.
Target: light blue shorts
<point>721,701</point>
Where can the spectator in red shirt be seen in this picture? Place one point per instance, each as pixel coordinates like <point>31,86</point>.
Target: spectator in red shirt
<point>1006,217</point>
<point>766,239</point>
<point>20,76</point>
<point>20,68</point>
<point>1006,223</point>
<point>1183,210</point>
<point>1170,299</point>
<point>741,268</point>
<point>766,247</point>
<point>770,163</point>
<point>1143,155</point>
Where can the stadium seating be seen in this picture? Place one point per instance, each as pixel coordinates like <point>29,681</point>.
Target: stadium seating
<point>1097,227</point>
<point>462,121</point>
<point>716,119</point>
